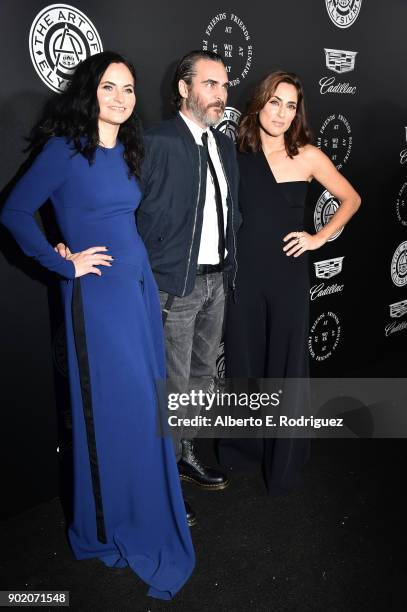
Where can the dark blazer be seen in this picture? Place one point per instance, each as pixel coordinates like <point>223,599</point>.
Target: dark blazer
<point>170,214</point>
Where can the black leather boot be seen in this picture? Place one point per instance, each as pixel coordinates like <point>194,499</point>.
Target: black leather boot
<point>192,470</point>
<point>191,516</point>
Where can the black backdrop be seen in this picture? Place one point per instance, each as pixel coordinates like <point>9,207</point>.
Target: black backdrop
<point>356,90</point>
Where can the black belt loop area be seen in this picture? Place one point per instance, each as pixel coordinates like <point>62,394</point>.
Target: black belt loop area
<point>208,268</point>
<point>84,375</point>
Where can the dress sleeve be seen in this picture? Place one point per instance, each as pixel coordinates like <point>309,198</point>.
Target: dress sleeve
<point>48,172</point>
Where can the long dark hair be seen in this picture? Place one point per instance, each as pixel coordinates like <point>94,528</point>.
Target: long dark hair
<point>298,135</point>
<point>74,114</point>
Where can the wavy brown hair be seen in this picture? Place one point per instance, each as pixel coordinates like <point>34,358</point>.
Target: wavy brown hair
<point>298,134</point>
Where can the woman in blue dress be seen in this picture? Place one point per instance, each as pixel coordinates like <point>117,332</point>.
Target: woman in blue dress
<point>128,506</point>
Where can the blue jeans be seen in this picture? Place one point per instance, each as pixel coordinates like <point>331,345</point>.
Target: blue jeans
<point>193,331</point>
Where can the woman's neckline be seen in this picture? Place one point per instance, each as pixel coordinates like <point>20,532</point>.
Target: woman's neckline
<point>109,148</point>
<point>273,175</point>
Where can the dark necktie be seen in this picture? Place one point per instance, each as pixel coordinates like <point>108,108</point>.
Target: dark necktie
<point>218,199</point>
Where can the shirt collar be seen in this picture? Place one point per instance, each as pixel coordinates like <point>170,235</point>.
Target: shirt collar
<point>195,129</point>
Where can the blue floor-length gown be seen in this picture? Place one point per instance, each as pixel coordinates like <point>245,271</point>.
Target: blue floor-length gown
<point>128,506</point>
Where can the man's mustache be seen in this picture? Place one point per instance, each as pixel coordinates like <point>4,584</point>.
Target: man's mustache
<point>219,105</point>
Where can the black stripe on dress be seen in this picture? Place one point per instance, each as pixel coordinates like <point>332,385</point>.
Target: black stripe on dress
<point>84,375</point>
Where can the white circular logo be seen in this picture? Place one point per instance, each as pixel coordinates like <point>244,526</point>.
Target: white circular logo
<point>335,139</point>
<point>343,13</point>
<point>229,122</point>
<point>227,35</point>
<point>325,209</point>
<point>401,205</point>
<point>61,37</point>
<point>324,336</point>
<point>399,265</point>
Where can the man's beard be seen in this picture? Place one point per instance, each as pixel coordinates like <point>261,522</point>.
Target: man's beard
<point>201,111</point>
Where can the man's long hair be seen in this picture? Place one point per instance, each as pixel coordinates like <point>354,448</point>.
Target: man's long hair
<point>74,114</point>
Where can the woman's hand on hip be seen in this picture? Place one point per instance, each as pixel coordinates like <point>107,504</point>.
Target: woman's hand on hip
<point>299,242</point>
<point>85,262</point>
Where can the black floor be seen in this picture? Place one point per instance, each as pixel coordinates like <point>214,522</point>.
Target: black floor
<point>335,545</point>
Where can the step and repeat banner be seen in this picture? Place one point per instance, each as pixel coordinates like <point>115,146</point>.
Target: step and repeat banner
<point>348,54</point>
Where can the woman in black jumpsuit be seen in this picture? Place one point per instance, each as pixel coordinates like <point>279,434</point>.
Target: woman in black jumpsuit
<point>267,320</point>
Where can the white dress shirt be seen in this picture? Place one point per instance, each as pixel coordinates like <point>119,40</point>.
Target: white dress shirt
<point>208,249</point>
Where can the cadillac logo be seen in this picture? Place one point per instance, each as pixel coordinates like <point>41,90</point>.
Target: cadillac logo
<point>229,122</point>
<point>343,13</point>
<point>328,267</point>
<point>325,209</point>
<point>340,61</point>
<point>398,309</point>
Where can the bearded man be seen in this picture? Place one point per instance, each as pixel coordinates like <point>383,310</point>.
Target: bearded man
<point>188,219</point>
